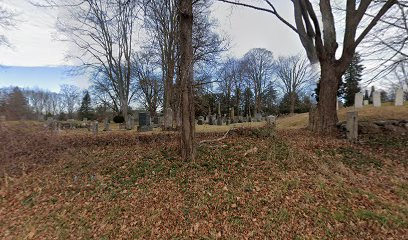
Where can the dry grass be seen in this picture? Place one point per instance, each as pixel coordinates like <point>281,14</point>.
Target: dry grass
<point>385,112</point>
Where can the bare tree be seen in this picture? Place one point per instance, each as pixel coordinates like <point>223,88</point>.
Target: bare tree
<point>7,21</point>
<point>295,74</point>
<point>185,14</point>
<point>149,84</point>
<point>71,96</point>
<point>102,31</point>
<point>161,23</point>
<point>226,81</point>
<point>162,27</point>
<point>259,67</point>
<point>319,39</point>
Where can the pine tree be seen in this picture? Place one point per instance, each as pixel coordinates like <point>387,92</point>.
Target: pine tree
<point>17,107</point>
<point>86,111</point>
<point>351,79</point>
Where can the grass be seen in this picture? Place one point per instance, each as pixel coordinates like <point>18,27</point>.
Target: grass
<point>386,111</point>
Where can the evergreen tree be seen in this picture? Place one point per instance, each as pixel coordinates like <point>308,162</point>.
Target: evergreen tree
<point>351,79</point>
<point>86,111</point>
<point>17,107</point>
<point>371,95</point>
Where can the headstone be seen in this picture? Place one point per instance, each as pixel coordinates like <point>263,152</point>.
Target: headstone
<point>366,102</point>
<point>144,122</point>
<point>219,121</point>
<point>358,100</point>
<point>106,125</point>
<point>71,123</point>
<point>399,97</point>
<point>258,117</point>
<point>352,126</point>
<point>211,120</point>
<point>200,120</point>
<point>232,115</point>
<point>156,120</point>
<point>240,119</point>
<point>168,119</point>
<point>94,127</point>
<point>377,99</point>
<point>271,120</point>
<point>2,118</point>
<point>130,122</point>
<point>85,120</point>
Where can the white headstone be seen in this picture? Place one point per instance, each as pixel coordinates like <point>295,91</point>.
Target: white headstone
<point>366,102</point>
<point>358,100</point>
<point>399,97</point>
<point>377,99</point>
<point>271,120</point>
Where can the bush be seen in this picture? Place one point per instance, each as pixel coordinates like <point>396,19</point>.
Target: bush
<point>118,119</point>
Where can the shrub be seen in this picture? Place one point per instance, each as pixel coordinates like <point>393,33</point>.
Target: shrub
<point>118,119</point>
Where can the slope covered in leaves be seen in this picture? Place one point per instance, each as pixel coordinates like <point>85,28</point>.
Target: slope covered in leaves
<point>254,184</point>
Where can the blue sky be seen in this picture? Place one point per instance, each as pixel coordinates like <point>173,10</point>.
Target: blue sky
<point>42,77</point>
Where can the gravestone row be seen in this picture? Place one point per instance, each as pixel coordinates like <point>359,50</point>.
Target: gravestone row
<point>359,101</point>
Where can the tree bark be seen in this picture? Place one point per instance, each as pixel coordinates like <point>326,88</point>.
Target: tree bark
<point>292,102</point>
<point>325,117</point>
<point>186,80</point>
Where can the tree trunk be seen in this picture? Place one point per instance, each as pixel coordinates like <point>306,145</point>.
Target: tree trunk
<point>292,102</point>
<point>325,117</point>
<point>168,88</point>
<point>186,79</point>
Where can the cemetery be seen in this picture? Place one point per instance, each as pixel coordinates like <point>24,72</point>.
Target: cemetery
<point>181,119</point>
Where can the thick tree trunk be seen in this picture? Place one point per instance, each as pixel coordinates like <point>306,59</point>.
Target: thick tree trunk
<point>325,117</point>
<point>186,79</point>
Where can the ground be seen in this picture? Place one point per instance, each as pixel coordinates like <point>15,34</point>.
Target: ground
<point>257,183</point>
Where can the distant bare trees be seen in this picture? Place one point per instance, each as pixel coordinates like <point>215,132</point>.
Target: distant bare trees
<point>71,96</point>
<point>259,67</point>
<point>102,31</point>
<point>149,84</point>
<point>294,74</point>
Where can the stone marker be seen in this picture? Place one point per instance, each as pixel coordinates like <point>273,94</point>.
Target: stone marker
<point>130,122</point>
<point>144,122</point>
<point>232,115</point>
<point>219,121</point>
<point>2,118</point>
<point>399,97</point>
<point>240,119</point>
<point>258,117</point>
<point>271,120</point>
<point>71,123</point>
<point>366,102</point>
<point>200,120</point>
<point>168,119</point>
<point>106,124</point>
<point>94,127</point>
<point>352,126</point>
<point>358,100</point>
<point>85,120</point>
<point>211,120</point>
<point>377,99</point>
